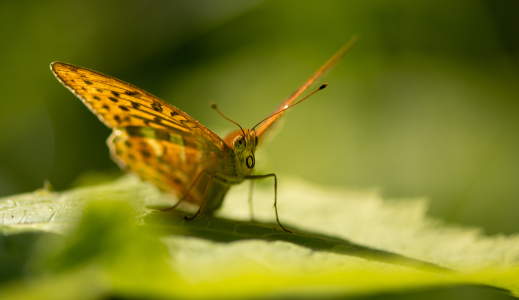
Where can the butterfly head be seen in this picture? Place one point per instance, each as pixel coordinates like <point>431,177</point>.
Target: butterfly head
<point>243,147</point>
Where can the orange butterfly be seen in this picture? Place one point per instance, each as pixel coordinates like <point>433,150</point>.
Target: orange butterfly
<point>165,146</point>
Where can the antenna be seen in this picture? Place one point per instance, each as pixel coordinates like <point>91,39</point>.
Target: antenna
<point>289,106</point>
<point>213,106</point>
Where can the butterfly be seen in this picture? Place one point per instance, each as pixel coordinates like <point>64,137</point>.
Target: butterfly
<point>165,146</point>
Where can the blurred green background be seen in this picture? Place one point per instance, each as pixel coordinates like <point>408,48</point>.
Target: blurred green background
<point>426,105</point>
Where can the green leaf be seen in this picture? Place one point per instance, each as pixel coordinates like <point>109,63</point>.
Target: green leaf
<point>105,241</point>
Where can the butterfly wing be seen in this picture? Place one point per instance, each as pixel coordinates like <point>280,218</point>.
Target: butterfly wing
<point>156,140</point>
<point>165,159</point>
<point>267,124</point>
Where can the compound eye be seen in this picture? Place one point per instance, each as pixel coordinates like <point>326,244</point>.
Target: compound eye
<point>250,162</point>
<point>239,143</point>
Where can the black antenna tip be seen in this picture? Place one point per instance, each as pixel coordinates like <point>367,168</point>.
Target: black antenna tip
<point>323,86</point>
<point>213,105</point>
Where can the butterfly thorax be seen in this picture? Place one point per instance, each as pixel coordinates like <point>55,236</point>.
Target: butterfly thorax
<point>241,160</point>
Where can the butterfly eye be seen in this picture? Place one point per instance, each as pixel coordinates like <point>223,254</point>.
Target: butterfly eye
<point>250,162</point>
<point>239,143</point>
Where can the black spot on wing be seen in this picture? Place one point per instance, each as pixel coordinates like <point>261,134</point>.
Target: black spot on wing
<point>117,118</point>
<point>145,153</point>
<point>174,114</point>
<point>135,105</point>
<point>157,106</point>
<point>124,108</point>
<point>128,144</point>
<point>100,90</point>
<point>116,94</point>
<point>131,93</point>
<point>88,82</point>
<point>187,123</point>
<point>106,107</point>
<point>96,98</point>
<point>158,119</point>
<point>113,99</point>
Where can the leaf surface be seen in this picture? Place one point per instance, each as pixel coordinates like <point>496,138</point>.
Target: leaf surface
<point>344,243</point>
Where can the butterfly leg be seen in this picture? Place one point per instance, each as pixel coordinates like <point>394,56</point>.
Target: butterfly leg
<point>254,177</point>
<point>251,187</point>
<point>187,193</point>
<point>205,195</point>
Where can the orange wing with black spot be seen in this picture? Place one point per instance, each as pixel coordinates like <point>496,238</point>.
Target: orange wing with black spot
<point>156,140</point>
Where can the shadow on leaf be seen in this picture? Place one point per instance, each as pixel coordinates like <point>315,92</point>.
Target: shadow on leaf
<point>225,230</point>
